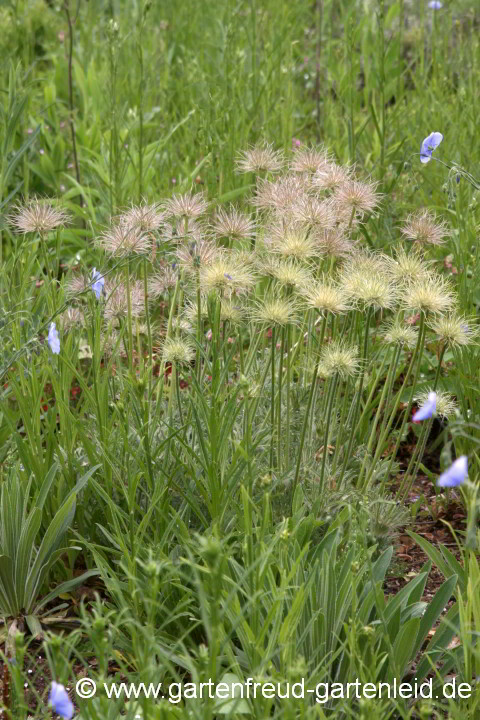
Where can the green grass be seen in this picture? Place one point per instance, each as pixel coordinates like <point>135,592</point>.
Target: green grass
<point>222,539</point>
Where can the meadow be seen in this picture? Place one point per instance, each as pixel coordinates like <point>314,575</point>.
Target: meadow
<point>239,359</point>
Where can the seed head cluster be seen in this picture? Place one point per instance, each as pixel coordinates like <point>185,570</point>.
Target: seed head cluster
<point>294,251</point>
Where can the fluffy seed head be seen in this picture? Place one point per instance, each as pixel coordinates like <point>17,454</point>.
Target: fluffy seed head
<point>121,240</point>
<point>280,196</point>
<point>190,311</point>
<point>181,325</point>
<point>433,294</point>
<point>183,230</point>
<point>260,158</point>
<point>338,358</point>
<point>38,216</point>
<point>331,177</point>
<point>194,255</point>
<point>356,198</point>
<point>325,296</point>
<point>398,333</point>
<point>142,218</point>
<point>335,243</point>
<point>75,285</point>
<point>72,317</point>
<point>314,213</point>
<point>365,278</point>
<point>111,341</point>
<point>454,330</point>
<point>233,225</point>
<point>116,304</point>
<point>310,160</point>
<point>288,273</point>
<point>445,404</point>
<point>162,281</point>
<point>230,311</point>
<point>187,206</point>
<point>227,273</point>
<point>423,228</point>
<point>407,267</point>
<point>178,350</point>
<point>275,311</point>
<point>292,240</point>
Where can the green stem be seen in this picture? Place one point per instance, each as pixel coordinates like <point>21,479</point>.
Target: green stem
<point>129,320</point>
<point>381,443</point>
<point>331,397</point>
<point>360,389</point>
<point>199,329</point>
<point>385,392</point>
<point>149,329</point>
<point>307,414</point>
<point>410,402</point>
<point>272,400</point>
<point>417,456</point>
<point>289,382</point>
<point>279,400</point>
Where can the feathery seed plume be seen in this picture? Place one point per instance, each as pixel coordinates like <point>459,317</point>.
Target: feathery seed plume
<point>116,304</point>
<point>178,350</point>
<point>233,224</point>
<point>276,311</point>
<point>423,228</point>
<point>454,330</point>
<point>338,358</point>
<point>188,206</point>
<point>193,255</point>
<point>310,160</point>
<point>433,294</point>
<point>326,296</point>
<point>38,216</point>
<point>121,240</point>
<point>259,159</point>
<point>356,198</point>
<point>292,240</point>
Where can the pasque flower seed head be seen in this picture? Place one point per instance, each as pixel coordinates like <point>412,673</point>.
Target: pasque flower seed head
<point>38,216</point>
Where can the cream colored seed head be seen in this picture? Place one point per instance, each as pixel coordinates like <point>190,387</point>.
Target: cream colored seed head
<point>331,177</point>
<point>177,350</point>
<point>233,225</point>
<point>187,206</point>
<point>310,160</point>
<point>227,273</point>
<point>143,218</point>
<point>193,255</point>
<point>72,317</point>
<point>116,303</point>
<point>433,294</point>
<point>161,282</point>
<point>292,241</point>
<point>121,240</point>
<point>398,333</point>
<point>260,158</point>
<point>454,330</point>
<point>38,216</point>
<point>276,311</point>
<point>357,198</point>
<point>407,267</point>
<point>287,273</point>
<point>365,278</point>
<point>423,228</point>
<point>338,358</point>
<point>326,296</point>
<point>445,404</point>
